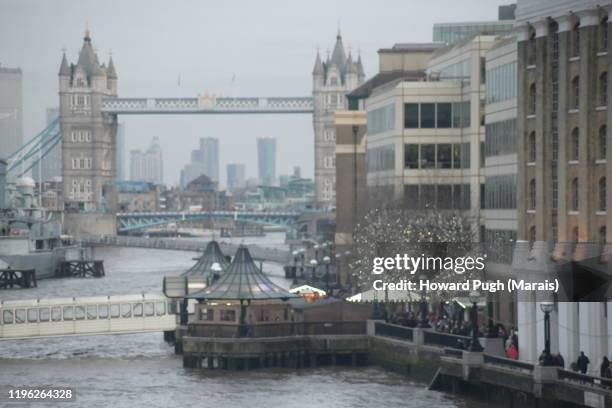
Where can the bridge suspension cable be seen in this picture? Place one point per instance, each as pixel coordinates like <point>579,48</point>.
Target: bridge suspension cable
<point>28,155</point>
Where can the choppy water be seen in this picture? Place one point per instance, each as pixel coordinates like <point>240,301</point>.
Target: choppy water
<point>140,370</point>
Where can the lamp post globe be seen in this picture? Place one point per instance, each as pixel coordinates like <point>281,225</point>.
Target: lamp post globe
<point>547,308</point>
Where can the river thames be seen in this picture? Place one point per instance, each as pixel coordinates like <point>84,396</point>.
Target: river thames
<point>141,370</point>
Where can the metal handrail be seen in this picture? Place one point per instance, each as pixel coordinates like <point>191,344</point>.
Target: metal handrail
<point>393,330</point>
<point>584,378</point>
<point>508,362</point>
<point>274,329</point>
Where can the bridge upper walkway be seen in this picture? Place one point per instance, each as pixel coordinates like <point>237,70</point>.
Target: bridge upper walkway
<point>258,253</point>
<point>86,316</point>
<point>208,105</point>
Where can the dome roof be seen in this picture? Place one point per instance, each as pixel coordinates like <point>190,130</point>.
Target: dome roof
<point>26,182</point>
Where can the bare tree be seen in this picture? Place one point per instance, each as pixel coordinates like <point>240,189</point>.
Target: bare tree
<point>389,230</point>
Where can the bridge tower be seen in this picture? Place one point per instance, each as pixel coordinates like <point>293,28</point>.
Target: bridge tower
<point>88,143</point>
<point>332,79</point>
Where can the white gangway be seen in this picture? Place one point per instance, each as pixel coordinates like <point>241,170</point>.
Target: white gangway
<point>86,316</point>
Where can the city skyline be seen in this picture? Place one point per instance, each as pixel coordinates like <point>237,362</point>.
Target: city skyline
<point>253,70</point>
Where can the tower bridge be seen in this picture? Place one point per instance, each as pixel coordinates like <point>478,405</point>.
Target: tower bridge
<point>90,104</point>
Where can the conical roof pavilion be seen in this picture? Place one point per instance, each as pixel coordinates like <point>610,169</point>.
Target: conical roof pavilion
<point>243,280</point>
<point>203,267</point>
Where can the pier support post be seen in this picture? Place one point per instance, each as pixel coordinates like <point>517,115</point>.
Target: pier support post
<point>543,375</point>
<point>418,336</point>
<point>471,363</point>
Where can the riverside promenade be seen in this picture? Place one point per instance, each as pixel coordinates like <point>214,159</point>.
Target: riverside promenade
<point>422,354</point>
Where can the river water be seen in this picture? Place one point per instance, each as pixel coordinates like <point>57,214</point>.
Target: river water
<point>141,370</point>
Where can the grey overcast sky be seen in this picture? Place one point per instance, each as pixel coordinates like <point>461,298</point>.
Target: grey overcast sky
<point>268,45</point>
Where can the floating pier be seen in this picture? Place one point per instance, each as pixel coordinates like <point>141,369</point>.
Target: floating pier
<point>20,278</point>
<point>80,269</point>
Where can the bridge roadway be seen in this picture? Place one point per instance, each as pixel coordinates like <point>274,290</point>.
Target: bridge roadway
<point>139,220</point>
<point>258,253</point>
<point>80,316</point>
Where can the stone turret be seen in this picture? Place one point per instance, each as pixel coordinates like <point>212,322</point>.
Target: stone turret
<point>89,141</point>
<point>331,80</point>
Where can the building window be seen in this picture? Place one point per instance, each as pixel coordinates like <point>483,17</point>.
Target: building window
<point>602,194</point>
<point>575,234</point>
<point>532,194</point>
<point>428,115</point>
<point>532,99</point>
<point>444,115</point>
<point>603,232</point>
<point>575,93</point>
<point>603,142</point>
<point>532,147</point>
<point>532,234</point>
<point>603,34</point>
<point>603,89</point>
<point>411,115</point>
<point>531,50</point>
<point>500,138</point>
<point>444,156</point>
<point>575,145</point>
<point>574,195</point>
<point>428,156</point>
<point>411,156</point>
<point>576,41</point>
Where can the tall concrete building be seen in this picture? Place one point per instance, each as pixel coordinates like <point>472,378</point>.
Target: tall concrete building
<point>204,160</point>
<point>563,174</point>
<point>147,165</point>
<point>11,110</point>
<point>266,160</point>
<point>121,163</point>
<point>50,167</point>
<point>235,176</point>
<point>332,79</point>
<point>88,145</point>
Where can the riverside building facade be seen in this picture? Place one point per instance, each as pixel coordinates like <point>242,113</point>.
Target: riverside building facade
<point>564,171</point>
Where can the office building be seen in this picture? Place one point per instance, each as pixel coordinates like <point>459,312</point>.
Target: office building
<point>50,166</point>
<point>11,111</point>
<point>266,160</point>
<point>121,164</point>
<point>235,176</point>
<point>147,165</point>
<point>204,160</point>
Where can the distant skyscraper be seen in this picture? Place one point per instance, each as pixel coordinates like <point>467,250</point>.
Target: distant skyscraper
<point>121,152</point>
<point>204,160</point>
<point>147,166</point>
<point>51,164</point>
<point>266,160</point>
<point>209,147</point>
<point>11,111</point>
<point>235,176</point>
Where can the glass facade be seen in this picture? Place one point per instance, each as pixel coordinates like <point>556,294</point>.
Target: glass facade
<point>459,70</point>
<point>500,138</point>
<point>381,158</point>
<point>381,119</point>
<point>436,115</point>
<point>501,84</point>
<point>500,192</point>
<point>437,156</point>
<point>437,196</point>
<point>500,245</point>
<point>452,33</point>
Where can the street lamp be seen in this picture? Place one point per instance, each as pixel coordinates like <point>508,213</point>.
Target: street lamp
<point>424,322</point>
<point>295,254</point>
<point>547,308</point>
<point>316,251</point>
<point>326,261</point>
<point>313,264</point>
<point>475,344</point>
<point>302,251</point>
